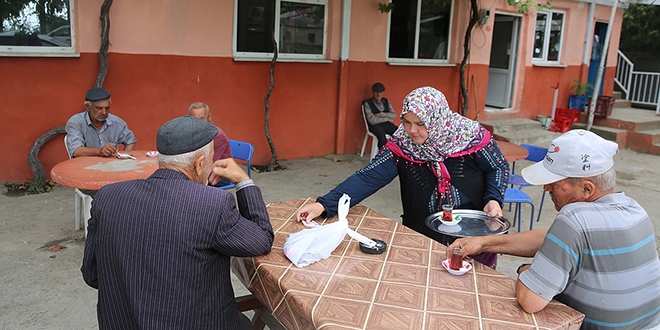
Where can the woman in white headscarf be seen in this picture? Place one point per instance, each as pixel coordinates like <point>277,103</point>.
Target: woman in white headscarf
<point>440,157</point>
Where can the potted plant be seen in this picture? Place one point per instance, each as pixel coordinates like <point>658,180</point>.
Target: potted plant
<point>580,99</point>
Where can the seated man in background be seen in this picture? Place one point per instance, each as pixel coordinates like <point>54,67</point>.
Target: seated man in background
<point>95,131</point>
<point>221,146</point>
<point>158,249</point>
<point>599,256</point>
<point>379,114</point>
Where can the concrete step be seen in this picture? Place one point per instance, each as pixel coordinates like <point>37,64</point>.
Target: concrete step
<point>620,136</point>
<point>627,119</point>
<point>539,137</point>
<point>504,126</point>
<point>617,95</point>
<point>645,141</point>
<point>520,131</point>
<point>622,103</point>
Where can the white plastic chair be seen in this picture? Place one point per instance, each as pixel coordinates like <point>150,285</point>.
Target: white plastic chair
<point>374,139</point>
<point>81,200</point>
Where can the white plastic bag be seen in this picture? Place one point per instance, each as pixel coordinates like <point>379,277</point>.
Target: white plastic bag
<point>313,244</point>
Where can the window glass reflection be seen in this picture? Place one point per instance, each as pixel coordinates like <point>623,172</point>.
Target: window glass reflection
<point>434,29</point>
<point>35,23</point>
<point>539,35</point>
<point>301,28</point>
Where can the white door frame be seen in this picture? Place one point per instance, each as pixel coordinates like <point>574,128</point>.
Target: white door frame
<point>506,100</point>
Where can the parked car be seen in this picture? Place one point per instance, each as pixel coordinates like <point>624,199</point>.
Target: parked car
<point>14,38</point>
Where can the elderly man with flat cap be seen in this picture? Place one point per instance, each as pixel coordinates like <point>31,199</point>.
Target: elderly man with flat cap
<point>158,249</point>
<point>380,114</point>
<point>95,131</point>
<point>599,256</point>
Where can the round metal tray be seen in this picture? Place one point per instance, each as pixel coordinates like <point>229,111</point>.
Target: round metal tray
<point>474,223</point>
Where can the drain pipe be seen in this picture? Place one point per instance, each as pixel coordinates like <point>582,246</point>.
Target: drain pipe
<point>601,67</point>
<point>340,138</point>
<point>554,101</point>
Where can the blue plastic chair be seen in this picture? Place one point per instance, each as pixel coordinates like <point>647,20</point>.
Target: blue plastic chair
<point>517,196</point>
<point>536,154</point>
<point>242,151</point>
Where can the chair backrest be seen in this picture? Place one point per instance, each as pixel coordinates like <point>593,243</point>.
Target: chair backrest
<point>66,146</point>
<point>366,123</point>
<point>536,154</point>
<point>243,151</point>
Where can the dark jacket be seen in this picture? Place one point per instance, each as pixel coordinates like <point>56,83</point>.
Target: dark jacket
<point>158,251</point>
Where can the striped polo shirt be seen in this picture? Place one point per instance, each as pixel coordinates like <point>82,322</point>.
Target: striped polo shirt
<point>601,259</point>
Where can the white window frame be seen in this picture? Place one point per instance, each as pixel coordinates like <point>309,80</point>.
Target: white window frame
<point>546,35</point>
<point>43,51</point>
<point>257,56</point>
<point>415,60</point>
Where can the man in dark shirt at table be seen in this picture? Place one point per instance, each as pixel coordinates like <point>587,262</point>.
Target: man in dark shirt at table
<point>158,249</point>
<point>221,145</point>
<point>379,114</point>
<point>95,131</point>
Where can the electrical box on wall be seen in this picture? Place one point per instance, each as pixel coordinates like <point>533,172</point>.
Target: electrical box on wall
<point>484,14</point>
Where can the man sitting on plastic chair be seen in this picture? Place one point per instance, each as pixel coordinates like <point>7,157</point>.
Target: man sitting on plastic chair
<point>380,115</point>
<point>221,145</point>
<point>95,132</point>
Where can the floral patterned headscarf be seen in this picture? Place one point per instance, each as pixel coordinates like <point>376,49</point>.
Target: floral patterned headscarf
<point>449,133</point>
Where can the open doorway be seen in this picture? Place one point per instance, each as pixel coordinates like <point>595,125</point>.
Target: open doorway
<point>503,61</point>
<point>596,53</point>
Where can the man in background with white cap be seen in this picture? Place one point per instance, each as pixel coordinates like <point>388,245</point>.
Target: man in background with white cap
<point>95,131</point>
<point>158,249</point>
<point>599,256</point>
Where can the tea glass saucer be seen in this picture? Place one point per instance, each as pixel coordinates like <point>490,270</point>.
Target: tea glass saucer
<point>453,222</point>
<point>466,267</point>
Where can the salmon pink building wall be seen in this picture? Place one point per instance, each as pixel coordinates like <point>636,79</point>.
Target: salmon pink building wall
<point>165,55</point>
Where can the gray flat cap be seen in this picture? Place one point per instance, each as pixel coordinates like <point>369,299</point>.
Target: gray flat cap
<point>97,94</point>
<point>184,134</point>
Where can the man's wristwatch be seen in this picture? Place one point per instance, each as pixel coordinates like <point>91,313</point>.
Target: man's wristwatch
<point>521,266</point>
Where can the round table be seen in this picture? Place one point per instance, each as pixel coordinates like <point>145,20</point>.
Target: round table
<point>512,152</point>
<point>93,172</point>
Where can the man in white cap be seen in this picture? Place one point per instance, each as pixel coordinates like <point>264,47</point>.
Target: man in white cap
<point>599,256</point>
<point>158,249</point>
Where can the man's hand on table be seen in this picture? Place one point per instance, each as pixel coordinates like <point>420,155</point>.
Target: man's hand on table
<point>227,168</point>
<point>308,212</point>
<point>470,245</point>
<point>108,150</point>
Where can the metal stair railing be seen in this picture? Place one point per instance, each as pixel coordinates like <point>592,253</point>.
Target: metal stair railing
<point>638,86</point>
<point>624,71</point>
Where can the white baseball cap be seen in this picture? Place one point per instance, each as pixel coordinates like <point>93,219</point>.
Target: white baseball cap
<point>575,154</point>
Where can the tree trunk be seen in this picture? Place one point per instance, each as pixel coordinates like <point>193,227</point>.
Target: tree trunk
<point>105,41</point>
<point>273,151</point>
<point>39,175</point>
<point>474,18</point>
